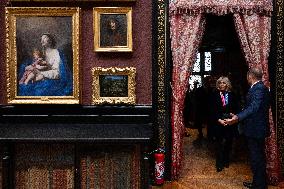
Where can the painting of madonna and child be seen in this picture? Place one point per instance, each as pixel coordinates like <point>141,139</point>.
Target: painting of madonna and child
<point>47,61</point>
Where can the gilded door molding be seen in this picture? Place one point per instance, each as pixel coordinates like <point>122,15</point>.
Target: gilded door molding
<point>279,83</point>
<point>161,72</point>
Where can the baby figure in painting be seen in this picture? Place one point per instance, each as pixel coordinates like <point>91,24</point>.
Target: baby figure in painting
<point>32,71</point>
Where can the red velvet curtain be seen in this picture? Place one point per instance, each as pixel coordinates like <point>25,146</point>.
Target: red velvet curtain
<point>186,36</point>
<point>252,20</point>
<point>254,35</point>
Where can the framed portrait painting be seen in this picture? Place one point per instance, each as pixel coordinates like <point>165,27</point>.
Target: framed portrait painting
<point>42,55</point>
<point>113,29</point>
<point>114,85</point>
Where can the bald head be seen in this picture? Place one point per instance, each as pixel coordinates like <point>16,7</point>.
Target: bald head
<point>254,74</point>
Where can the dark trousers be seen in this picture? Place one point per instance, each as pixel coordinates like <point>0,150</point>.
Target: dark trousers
<point>257,159</point>
<point>223,150</point>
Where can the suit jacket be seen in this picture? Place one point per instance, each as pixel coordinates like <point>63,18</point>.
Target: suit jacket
<point>217,110</point>
<point>255,115</point>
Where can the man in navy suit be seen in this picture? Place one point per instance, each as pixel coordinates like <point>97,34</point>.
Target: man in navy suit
<point>255,117</point>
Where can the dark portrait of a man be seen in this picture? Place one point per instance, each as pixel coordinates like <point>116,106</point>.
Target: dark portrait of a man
<point>113,30</point>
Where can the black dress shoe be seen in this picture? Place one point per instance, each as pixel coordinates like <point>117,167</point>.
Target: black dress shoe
<point>248,184</point>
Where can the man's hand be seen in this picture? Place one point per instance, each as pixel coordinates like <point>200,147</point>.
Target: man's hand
<point>222,122</point>
<point>233,120</point>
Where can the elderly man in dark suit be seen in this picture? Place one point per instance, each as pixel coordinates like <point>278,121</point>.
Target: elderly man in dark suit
<point>255,117</point>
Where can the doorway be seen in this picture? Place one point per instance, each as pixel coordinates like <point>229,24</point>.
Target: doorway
<point>218,55</point>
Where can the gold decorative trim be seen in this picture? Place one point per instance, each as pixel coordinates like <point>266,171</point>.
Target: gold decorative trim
<point>128,98</point>
<point>120,12</point>
<point>279,80</point>
<point>161,13</point>
<point>12,14</point>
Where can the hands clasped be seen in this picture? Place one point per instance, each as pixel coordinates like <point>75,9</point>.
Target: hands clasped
<point>229,121</point>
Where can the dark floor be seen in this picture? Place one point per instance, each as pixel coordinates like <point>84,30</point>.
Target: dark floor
<point>199,170</point>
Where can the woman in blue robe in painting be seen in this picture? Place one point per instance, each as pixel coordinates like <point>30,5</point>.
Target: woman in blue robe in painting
<point>56,80</point>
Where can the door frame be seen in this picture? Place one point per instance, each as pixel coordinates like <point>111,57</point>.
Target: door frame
<point>161,77</point>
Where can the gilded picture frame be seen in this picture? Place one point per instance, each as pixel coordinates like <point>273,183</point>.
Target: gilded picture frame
<point>42,59</point>
<point>114,85</point>
<point>112,29</point>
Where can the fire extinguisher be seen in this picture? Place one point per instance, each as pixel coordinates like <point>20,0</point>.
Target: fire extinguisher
<point>159,156</point>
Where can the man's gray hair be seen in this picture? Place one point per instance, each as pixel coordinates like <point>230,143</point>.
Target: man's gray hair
<point>256,72</point>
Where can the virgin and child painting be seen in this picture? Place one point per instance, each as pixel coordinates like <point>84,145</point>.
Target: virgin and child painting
<point>46,65</point>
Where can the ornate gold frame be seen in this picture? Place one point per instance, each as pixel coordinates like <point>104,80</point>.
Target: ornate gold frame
<point>129,71</point>
<point>12,13</point>
<point>97,12</point>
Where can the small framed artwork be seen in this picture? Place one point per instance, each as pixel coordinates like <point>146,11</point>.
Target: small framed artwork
<point>113,29</point>
<point>114,85</point>
<point>42,55</point>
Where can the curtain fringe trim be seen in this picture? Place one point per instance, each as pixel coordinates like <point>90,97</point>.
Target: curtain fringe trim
<point>266,11</point>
